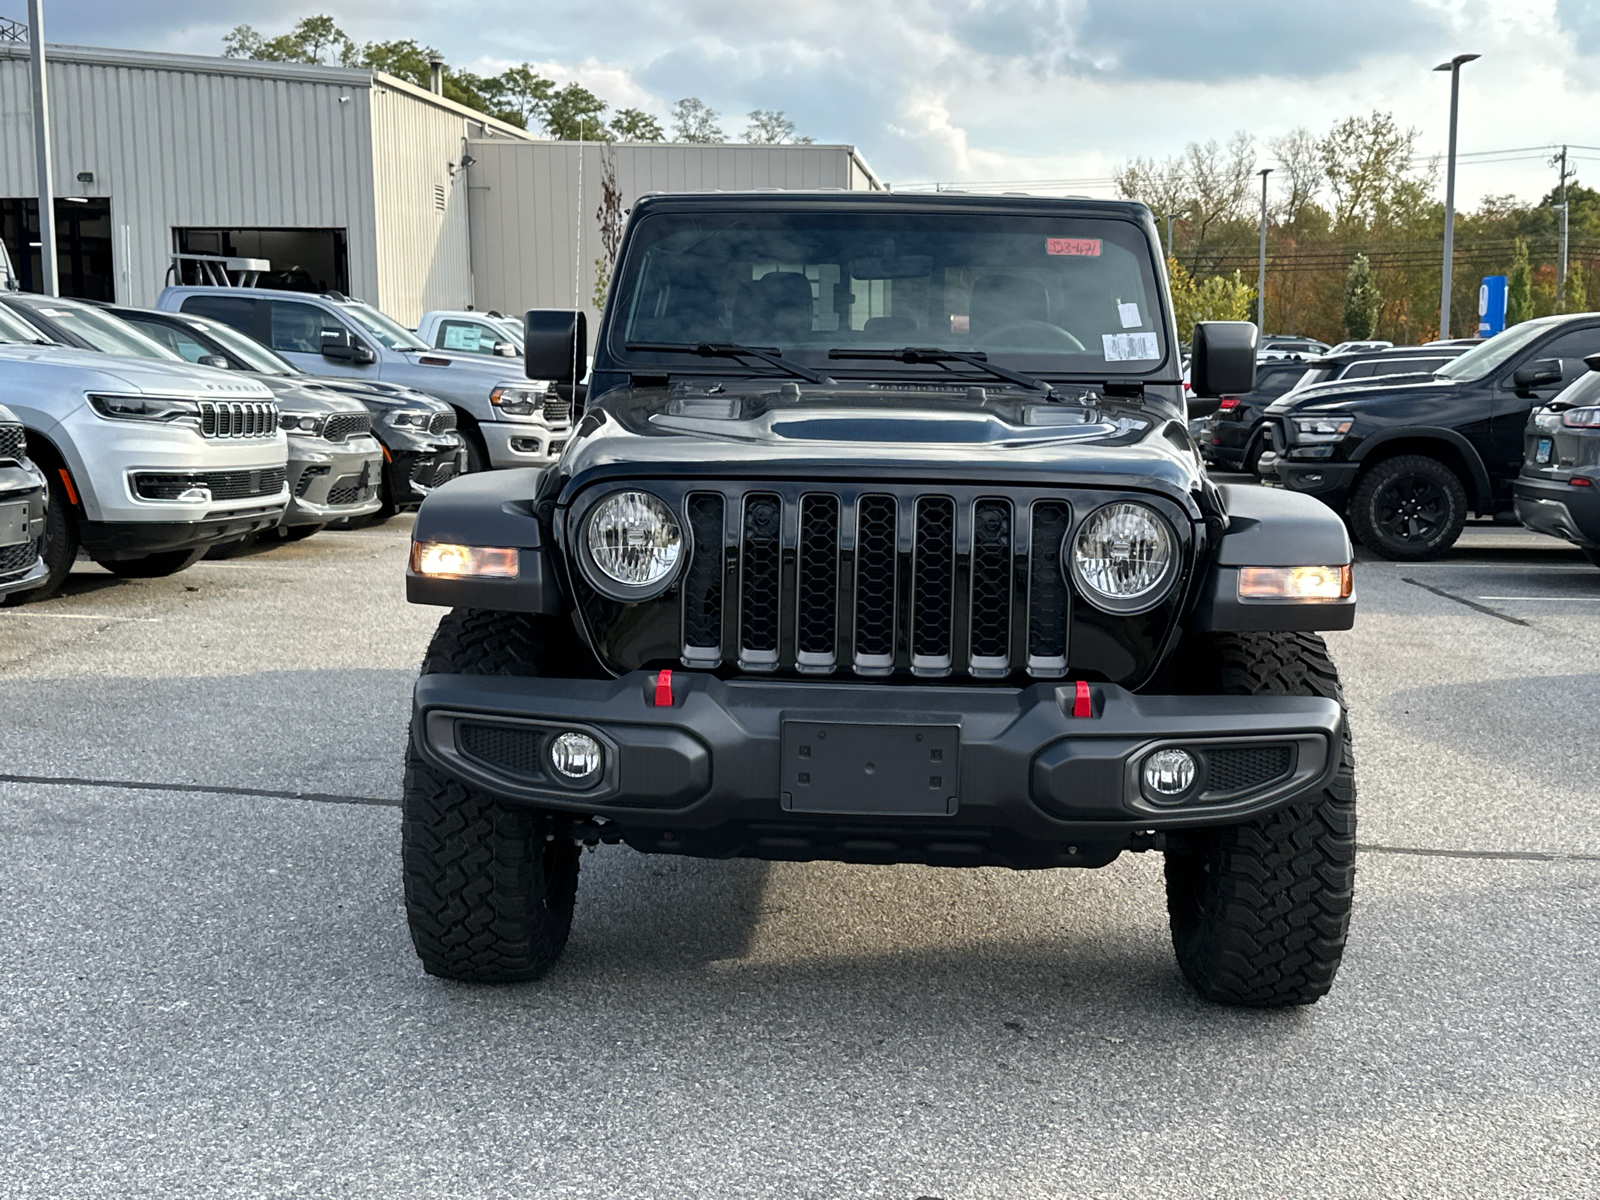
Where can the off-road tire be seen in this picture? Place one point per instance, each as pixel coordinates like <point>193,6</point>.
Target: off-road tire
<point>1259,911</point>
<point>155,566</point>
<point>60,549</point>
<point>489,886</point>
<point>1383,529</point>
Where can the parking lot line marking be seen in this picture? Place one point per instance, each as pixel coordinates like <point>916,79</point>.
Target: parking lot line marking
<point>216,789</point>
<point>1505,855</point>
<point>1472,604</point>
<point>1578,599</point>
<point>41,616</point>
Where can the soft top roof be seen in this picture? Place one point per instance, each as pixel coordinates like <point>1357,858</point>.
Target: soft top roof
<point>841,201</point>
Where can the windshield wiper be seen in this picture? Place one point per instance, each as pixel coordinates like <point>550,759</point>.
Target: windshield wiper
<point>939,354</point>
<point>729,350</point>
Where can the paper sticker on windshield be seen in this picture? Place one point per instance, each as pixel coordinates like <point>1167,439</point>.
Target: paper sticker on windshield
<point>1130,347</point>
<point>1130,315</point>
<point>1079,247</point>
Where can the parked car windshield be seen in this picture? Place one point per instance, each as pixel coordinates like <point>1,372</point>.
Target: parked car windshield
<point>1480,360</point>
<point>14,329</point>
<point>106,333</point>
<point>259,359</point>
<point>391,333</point>
<point>1047,294</point>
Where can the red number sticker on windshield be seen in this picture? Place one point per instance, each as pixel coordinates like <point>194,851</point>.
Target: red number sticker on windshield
<point>1081,247</point>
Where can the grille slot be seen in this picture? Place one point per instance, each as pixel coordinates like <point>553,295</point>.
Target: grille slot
<point>347,489</point>
<point>238,418</point>
<point>557,410</point>
<point>13,442</point>
<point>224,485</point>
<point>875,584</point>
<point>14,560</point>
<point>933,584</point>
<point>1049,601</point>
<point>817,603</point>
<point>306,478</point>
<point>342,426</point>
<point>442,422</point>
<point>761,553</point>
<point>515,751</point>
<point>1238,768</point>
<point>991,587</point>
<point>702,584</point>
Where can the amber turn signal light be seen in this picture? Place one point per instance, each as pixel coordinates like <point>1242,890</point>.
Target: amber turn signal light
<point>1295,583</point>
<point>445,561</point>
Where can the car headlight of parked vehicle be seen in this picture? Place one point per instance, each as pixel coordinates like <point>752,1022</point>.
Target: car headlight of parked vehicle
<point>517,401</point>
<point>1124,557</point>
<point>1323,429</point>
<point>634,544</point>
<point>147,408</point>
<point>294,422</point>
<point>1581,418</point>
<point>413,418</point>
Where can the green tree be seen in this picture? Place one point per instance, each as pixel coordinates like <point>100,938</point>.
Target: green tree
<point>524,92</point>
<point>1519,287</point>
<point>694,121</point>
<point>575,114</point>
<point>1362,300</point>
<point>1575,291</point>
<point>636,125</point>
<point>1225,298</point>
<point>772,128</point>
<point>1365,161</point>
<point>309,41</point>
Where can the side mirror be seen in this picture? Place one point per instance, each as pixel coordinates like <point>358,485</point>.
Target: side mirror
<point>1541,372</point>
<point>1592,362</point>
<point>1224,358</point>
<point>505,350</point>
<point>213,360</point>
<point>555,341</point>
<point>338,346</point>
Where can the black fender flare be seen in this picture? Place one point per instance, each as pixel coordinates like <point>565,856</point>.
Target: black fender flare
<point>490,508</point>
<point>1484,499</point>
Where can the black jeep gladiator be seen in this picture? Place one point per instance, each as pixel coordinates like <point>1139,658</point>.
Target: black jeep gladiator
<point>881,539</point>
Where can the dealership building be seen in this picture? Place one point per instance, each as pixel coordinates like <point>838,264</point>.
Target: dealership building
<point>342,179</point>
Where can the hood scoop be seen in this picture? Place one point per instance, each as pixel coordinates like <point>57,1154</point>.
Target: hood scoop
<point>716,416</point>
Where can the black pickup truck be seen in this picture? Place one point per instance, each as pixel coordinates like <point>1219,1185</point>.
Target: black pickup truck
<point>881,539</point>
<point>1407,461</point>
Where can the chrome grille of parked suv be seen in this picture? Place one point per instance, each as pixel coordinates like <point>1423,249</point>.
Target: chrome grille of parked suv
<point>13,443</point>
<point>238,418</point>
<point>874,579</point>
<point>343,426</point>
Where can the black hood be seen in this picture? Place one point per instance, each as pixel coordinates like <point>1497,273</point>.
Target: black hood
<point>1366,395</point>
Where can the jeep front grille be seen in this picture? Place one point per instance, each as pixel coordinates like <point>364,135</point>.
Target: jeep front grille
<point>876,579</point>
<point>238,418</point>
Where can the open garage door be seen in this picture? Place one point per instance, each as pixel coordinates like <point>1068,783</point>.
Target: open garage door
<point>83,245</point>
<point>303,260</point>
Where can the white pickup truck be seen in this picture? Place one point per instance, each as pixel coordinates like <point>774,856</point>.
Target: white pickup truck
<point>462,331</point>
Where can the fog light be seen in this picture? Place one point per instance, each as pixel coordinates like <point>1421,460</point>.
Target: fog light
<point>575,756</point>
<point>1169,772</point>
<point>451,561</point>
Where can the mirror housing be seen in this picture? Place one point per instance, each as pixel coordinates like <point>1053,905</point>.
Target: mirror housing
<point>1223,358</point>
<point>555,341</point>
<point>338,346</point>
<point>1541,372</point>
<point>505,350</point>
<point>214,360</point>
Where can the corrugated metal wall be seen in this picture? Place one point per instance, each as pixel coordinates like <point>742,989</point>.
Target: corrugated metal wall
<point>535,240</point>
<point>207,145</point>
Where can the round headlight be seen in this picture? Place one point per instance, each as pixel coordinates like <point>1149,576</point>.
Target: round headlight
<point>1124,557</point>
<point>634,541</point>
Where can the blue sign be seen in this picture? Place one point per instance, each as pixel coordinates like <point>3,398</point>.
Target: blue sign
<point>1491,305</point>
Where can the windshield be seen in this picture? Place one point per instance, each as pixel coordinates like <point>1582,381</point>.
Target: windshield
<point>14,329</point>
<point>256,356</point>
<point>391,333</point>
<point>1044,294</point>
<point>107,334</point>
<point>1480,360</point>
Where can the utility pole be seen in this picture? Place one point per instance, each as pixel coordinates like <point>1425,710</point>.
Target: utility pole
<point>1454,67</point>
<point>1261,267</point>
<point>41,145</point>
<point>1561,205</point>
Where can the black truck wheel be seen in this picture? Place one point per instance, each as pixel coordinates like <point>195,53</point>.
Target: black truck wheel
<point>1409,508</point>
<point>1259,911</point>
<point>60,549</point>
<point>489,886</point>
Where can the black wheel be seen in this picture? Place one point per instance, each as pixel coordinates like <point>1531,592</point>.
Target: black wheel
<point>230,549</point>
<point>477,452</point>
<point>1252,454</point>
<point>299,533</point>
<point>1259,911</point>
<point>60,549</point>
<point>1410,508</point>
<point>155,566</point>
<point>489,886</point>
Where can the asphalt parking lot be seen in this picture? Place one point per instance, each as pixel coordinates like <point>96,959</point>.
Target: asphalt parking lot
<point>209,989</point>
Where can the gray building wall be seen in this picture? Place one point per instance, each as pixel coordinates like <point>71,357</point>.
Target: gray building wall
<point>177,141</point>
<point>535,205</point>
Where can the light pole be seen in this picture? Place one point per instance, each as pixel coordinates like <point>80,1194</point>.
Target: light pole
<point>1261,268</point>
<point>1454,67</point>
<point>41,147</point>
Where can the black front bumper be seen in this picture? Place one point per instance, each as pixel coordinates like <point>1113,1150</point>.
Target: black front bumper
<point>114,541</point>
<point>1018,780</point>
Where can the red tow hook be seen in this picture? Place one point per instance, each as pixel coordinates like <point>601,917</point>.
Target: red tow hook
<point>664,689</point>
<point>1081,706</point>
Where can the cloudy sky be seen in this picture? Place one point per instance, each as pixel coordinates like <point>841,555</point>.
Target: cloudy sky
<point>995,91</point>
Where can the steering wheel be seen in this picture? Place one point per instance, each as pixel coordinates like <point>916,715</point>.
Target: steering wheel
<point>1032,335</point>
